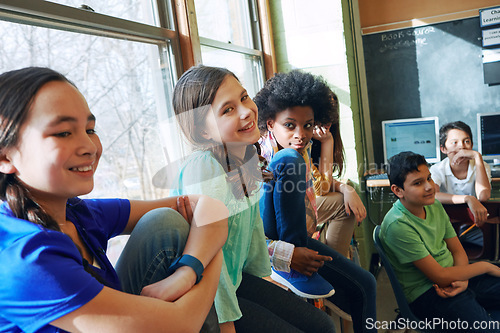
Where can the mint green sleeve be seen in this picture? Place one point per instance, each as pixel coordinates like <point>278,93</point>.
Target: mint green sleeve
<point>202,174</point>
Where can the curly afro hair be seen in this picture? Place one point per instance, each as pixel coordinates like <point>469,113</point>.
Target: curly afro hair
<point>296,88</point>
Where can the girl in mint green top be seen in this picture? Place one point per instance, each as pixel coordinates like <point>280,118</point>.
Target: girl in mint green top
<point>219,120</point>
<point>245,249</point>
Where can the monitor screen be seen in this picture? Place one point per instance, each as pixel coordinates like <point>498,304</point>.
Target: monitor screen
<point>488,131</point>
<point>419,135</point>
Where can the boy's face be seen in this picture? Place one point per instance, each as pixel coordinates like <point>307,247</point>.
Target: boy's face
<point>419,189</point>
<point>455,141</point>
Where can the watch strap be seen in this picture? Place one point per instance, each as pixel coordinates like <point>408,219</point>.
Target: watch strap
<point>187,260</point>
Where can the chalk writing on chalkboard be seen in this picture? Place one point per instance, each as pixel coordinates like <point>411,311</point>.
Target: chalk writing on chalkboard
<point>405,39</point>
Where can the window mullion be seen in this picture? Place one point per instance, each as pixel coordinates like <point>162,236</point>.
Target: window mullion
<point>52,15</point>
<point>266,35</point>
<point>188,33</point>
<point>229,47</point>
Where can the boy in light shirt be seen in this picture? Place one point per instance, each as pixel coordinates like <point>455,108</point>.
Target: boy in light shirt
<point>463,176</point>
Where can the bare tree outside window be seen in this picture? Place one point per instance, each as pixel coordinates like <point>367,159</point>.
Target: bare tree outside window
<point>117,79</point>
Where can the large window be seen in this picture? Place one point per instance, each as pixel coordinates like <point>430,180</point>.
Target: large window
<point>124,73</point>
<point>125,57</point>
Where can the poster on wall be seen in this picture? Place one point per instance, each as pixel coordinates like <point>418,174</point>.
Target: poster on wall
<point>489,16</point>
<point>491,37</point>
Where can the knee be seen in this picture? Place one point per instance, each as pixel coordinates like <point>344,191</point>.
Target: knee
<point>288,161</point>
<point>334,199</point>
<point>288,156</point>
<point>163,220</point>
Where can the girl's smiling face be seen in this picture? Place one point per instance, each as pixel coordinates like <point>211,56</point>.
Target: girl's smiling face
<point>233,119</point>
<point>58,150</point>
<point>293,127</point>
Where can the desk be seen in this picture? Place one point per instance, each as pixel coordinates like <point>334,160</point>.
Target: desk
<point>371,183</point>
<point>380,199</point>
<point>460,215</point>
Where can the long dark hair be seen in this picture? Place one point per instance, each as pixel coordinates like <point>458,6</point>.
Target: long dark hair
<point>193,95</point>
<point>338,146</point>
<point>18,89</point>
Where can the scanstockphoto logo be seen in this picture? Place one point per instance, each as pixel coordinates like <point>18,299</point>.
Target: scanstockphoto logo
<point>434,324</point>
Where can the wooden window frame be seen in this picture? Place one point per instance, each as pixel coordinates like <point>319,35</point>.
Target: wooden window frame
<point>189,39</point>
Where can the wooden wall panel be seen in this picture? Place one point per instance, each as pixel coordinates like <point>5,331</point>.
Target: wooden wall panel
<point>384,15</point>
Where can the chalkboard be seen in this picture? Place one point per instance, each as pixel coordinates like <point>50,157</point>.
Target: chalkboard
<point>434,70</point>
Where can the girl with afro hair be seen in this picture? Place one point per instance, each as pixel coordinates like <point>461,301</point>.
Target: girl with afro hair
<point>294,108</point>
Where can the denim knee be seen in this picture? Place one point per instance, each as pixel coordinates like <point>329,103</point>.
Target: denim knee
<point>163,220</point>
<point>287,157</point>
<point>289,169</point>
<point>157,239</point>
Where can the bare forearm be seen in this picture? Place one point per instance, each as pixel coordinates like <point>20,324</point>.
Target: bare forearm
<point>448,198</point>
<point>482,186</point>
<point>208,231</point>
<point>343,188</point>
<point>326,159</point>
<point>203,293</point>
<point>462,273</point>
<point>460,257</point>
<point>115,311</point>
<point>227,327</point>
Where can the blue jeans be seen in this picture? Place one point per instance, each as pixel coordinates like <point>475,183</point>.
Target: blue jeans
<point>158,238</point>
<point>473,305</point>
<point>283,212</point>
<point>282,204</point>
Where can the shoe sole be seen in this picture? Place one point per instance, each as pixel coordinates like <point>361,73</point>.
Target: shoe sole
<point>279,279</point>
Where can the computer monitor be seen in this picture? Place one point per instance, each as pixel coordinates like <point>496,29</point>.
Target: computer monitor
<point>419,135</point>
<point>488,132</point>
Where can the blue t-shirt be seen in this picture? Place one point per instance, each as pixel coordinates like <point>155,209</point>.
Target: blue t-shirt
<point>41,271</point>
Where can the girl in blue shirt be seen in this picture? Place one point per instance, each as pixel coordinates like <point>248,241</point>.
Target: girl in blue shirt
<point>219,120</point>
<point>54,271</point>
